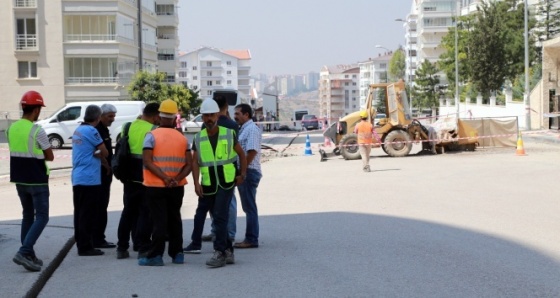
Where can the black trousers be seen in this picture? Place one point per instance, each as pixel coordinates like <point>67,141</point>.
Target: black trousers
<point>165,209</point>
<point>102,205</point>
<point>135,219</point>
<point>85,202</point>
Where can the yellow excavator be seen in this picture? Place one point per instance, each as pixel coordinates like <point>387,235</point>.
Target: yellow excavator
<point>398,130</point>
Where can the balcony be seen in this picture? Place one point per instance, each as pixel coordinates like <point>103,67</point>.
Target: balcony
<point>26,42</point>
<point>90,37</point>
<point>26,4</point>
<point>90,80</point>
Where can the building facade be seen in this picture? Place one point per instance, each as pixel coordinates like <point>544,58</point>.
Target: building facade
<point>208,69</point>
<point>338,91</point>
<point>372,71</point>
<point>77,50</point>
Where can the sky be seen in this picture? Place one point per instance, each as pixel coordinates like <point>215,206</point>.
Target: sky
<point>294,36</point>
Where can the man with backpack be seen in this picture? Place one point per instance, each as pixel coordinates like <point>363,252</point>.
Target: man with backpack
<point>135,219</point>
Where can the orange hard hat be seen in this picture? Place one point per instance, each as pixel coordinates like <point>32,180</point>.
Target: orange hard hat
<point>32,98</point>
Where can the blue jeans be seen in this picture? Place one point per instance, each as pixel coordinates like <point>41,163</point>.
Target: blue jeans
<point>248,196</point>
<point>219,204</point>
<point>232,221</point>
<point>35,202</point>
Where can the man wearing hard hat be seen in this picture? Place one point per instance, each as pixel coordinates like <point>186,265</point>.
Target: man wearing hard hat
<point>215,150</point>
<point>364,130</point>
<point>29,149</point>
<point>167,163</point>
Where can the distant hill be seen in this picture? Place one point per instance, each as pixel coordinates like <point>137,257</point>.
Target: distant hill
<point>303,101</point>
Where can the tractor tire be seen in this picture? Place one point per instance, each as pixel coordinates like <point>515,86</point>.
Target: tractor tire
<point>401,149</point>
<point>349,147</point>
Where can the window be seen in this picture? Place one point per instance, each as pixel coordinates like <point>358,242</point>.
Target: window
<point>353,76</point>
<point>27,69</point>
<point>209,73</point>
<point>182,74</point>
<point>228,82</point>
<point>195,78</point>
<point>218,83</point>
<point>208,83</point>
<point>383,65</point>
<point>165,9</point>
<point>69,114</point>
<point>228,62</point>
<point>183,64</point>
<point>26,36</point>
<point>353,98</point>
<point>353,91</point>
<point>209,63</point>
<point>194,68</point>
<point>353,84</point>
<point>228,72</point>
<point>346,84</point>
<point>194,87</point>
<point>166,56</point>
<point>208,92</point>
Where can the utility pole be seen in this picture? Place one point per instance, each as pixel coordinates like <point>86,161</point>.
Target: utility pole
<point>139,20</point>
<point>457,13</point>
<point>526,99</point>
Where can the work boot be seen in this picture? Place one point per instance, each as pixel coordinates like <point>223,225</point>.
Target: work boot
<point>27,262</point>
<point>217,260</point>
<point>230,257</point>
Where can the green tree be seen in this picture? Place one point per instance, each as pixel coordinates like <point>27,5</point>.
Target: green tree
<point>487,45</point>
<point>148,87</point>
<point>194,104</point>
<point>548,12</point>
<point>425,92</point>
<point>397,66</point>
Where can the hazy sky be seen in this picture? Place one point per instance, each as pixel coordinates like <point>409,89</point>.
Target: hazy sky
<point>294,36</point>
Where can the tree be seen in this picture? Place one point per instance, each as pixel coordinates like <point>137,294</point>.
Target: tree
<point>548,12</point>
<point>425,92</point>
<point>397,66</point>
<point>148,87</point>
<point>487,44</point>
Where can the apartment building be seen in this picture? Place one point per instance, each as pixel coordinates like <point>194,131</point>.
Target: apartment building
<point>77,50</point>
<point>167,38</point>
<point>207,69</point>
<point>372,71</point>
<point>338,91</point>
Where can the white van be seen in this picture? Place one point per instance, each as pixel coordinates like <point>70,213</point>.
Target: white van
<point>232,98</point>
<point>60,126</point>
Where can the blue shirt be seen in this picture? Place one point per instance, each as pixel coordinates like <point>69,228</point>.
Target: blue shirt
<point>86,168</point>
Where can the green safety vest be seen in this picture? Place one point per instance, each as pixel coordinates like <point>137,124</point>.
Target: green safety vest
<point>136,134</point>
<point>217,167</point>
<point>27,160</point>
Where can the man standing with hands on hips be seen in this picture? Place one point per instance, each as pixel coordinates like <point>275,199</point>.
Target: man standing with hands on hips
<point>250,139</point>
<point>215,150</point>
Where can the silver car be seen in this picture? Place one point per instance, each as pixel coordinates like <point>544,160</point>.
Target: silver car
<point>194,125</point>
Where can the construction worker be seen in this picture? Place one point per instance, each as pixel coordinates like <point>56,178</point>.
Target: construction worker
<point>29,149</point>
<point>167,163</point>
<point>215,150</point>
<point>135,217</point>
<point>364,130</point>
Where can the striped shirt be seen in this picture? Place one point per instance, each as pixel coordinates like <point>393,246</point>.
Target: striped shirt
<point>250,139</point>
<point>43,140</point>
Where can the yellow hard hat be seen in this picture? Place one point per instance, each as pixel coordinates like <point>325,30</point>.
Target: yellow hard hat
<point>363,114</point>
<point>168,106</point>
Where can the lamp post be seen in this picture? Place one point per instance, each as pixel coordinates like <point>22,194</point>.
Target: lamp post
<point>408,47</point>
<point>386,76</point>
<point>526,100</point>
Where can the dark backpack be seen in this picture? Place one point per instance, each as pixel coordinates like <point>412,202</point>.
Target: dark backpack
<point>121,162</point>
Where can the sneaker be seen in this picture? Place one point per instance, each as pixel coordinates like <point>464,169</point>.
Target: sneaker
<point>191,249</point>
<point>37,260</point>
<point>155,261</point>
<point>91,252</point>
<point>27,262</point>
<point>179,258</point>
<point>208,238</point>
<point>122,254</point>
<point>230,257</point>
<point>217,260</point>
<point>366,169</point>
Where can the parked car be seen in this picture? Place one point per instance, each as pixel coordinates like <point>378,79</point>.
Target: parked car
<point>193,125</point>
<point>309,122</point>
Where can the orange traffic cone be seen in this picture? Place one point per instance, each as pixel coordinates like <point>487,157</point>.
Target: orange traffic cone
<point>520,150</point>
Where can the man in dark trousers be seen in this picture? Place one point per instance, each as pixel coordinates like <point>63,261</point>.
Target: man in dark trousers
<point>203,206</point>
<point>108,113</point>
<point>215,149</point>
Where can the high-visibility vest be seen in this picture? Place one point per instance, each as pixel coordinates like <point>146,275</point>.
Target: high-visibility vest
<point>217,167</point>
<point>136,134</point>
<point>364,131</point>
<point>27,160</point>
<point>168,155</point>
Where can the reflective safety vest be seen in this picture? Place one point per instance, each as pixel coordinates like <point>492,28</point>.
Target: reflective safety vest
<point>168,155</point>
<point>364,131</point>
<point>136,134</point>
<point>27,160</point>
<point>217,167</point>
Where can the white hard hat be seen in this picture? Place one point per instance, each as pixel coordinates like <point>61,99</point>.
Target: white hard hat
<point>209,106</point>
